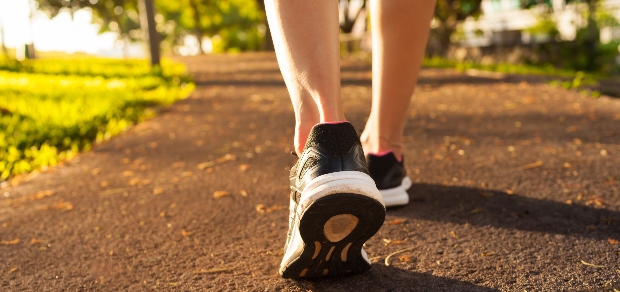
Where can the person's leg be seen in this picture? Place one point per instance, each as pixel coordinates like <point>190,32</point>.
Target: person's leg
<point>400,31</point>
<point>306,39</point>
<point>335,206</point>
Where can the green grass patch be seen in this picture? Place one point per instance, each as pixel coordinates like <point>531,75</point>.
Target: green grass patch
<point>523,69</point>
<point>51,109</point>
<point>567,79</point>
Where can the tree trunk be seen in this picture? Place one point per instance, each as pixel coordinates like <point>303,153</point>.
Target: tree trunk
<point>31,51</point>
<point>197,29</point>
<point>2,40</point>
<point>268,40</point>
<point>444,32</point>
<point>593,38</point>
<point>147,22</point>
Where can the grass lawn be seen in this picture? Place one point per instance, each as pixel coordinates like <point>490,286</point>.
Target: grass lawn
<point>50,109</point>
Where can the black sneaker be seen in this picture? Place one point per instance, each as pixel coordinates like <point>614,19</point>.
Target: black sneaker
<point>390,177</point>
<point>335,206</point>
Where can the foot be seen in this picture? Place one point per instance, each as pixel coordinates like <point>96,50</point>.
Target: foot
<point>390,177</point>
<point>335,206</point>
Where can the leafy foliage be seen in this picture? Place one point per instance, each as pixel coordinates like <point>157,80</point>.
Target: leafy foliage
<point>235,24</point>
<point>449,13</point>
<point>58,107</point>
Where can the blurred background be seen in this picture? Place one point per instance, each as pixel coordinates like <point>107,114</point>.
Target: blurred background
<point>77,72</point>
<point>567,34</point>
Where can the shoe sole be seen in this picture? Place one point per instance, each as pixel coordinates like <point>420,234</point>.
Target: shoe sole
<point>397,196</point>
<point>332,231</point>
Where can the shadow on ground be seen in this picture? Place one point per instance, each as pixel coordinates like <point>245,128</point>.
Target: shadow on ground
<point>481,207</point>
<point>387,278</point>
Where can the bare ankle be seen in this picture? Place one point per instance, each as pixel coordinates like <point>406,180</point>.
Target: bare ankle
<point>377,145</point>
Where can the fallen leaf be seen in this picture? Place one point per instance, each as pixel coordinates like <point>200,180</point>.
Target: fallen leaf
<point>404,258</point>
<point>11,270</point>
<point>244,167</point>
<point>42,194</point>
<point>214,271</point>
<point>594,201</point>
<point>531,165</point>
<point>397,221</point>
<point>61,205</point>
<point>220,194</point>
<point>178,165</point>
<point>387,259</point>
<point>260,208</point>
<point>275,208</point>
<point>187,173</point>
<point>104,184</point>
<point>35,241</point>
<point>158,191</point>
<point>185,233</point>
<point>134,181</point>
<point>528,100</point>
<point>438,157</point>
<point>591,265</point>
<point>508,191</point>
<point>9,242</point>
<point>204,165</point>
<point>611,181</point>
<point>127,173</point>
<point>613,241</point>
<point>387,242</point>
<point>227,157</point>
<point>244,193</point>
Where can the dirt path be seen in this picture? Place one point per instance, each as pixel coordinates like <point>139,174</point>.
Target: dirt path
<point>517,188</point>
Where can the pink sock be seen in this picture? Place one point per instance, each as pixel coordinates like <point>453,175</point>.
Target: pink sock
<point>333,123</point>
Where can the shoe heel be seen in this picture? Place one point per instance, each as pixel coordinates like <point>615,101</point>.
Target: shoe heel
<point>334,229</point>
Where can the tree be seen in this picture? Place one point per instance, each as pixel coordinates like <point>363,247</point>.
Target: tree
<point>268,39</point>
<point>449,13</point>
<point>347,23</point>
<point>120,16</point>
<point>194,4</point>
<point>147,20</point>
<point>235,22</point>
<point>2,39</point>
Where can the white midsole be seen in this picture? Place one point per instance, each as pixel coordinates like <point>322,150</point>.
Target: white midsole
<point>353,182</point>
<point>397,196</point>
